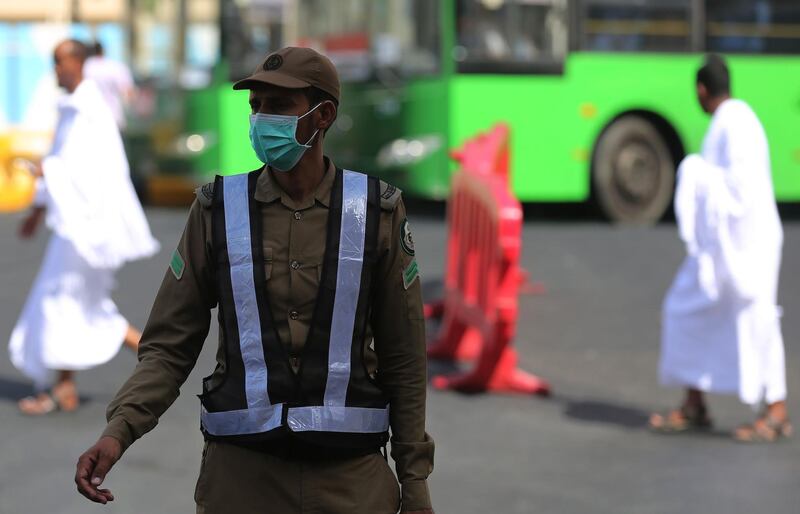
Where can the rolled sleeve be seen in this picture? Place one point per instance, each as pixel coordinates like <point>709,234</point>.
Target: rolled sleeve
<point>399,327</point>
<point>172,339</point>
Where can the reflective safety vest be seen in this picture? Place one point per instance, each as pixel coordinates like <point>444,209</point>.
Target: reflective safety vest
<point>332,400</point>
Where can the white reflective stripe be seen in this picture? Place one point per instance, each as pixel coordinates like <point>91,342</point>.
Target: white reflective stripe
<point>254,420</point>
<point>240,255</point>
<point>338,419</point>
<point>348,286</point>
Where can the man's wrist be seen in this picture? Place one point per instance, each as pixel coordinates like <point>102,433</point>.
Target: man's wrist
<point>120,431</point>
<point>415,496</point>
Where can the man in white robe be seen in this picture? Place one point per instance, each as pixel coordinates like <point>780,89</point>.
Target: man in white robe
<point>721,322</point>
<point>114,80</point>
<point>69,321</point>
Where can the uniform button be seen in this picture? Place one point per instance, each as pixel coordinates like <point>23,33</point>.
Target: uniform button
<point>295,265</point>
<point>294,315</point>
<point>298,215</point>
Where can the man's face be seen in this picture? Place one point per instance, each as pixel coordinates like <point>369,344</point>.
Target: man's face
<point>269,99</point>
<point>68,67</point>
<point>703,97</point>
<point>285,102</point>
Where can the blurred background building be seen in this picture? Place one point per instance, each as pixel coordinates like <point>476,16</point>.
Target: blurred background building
<point>599,94</point>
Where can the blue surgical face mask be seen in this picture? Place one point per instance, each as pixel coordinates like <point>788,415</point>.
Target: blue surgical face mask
<point>274,141</point>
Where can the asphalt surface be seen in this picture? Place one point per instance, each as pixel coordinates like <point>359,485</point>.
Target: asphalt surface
<point>593,334</point>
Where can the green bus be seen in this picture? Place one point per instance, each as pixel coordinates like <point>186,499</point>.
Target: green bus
<point>599,94</point>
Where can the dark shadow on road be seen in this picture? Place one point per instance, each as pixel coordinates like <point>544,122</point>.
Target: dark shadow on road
<point>625,416</point>
<point>595,411</point>
<point>13,390</point>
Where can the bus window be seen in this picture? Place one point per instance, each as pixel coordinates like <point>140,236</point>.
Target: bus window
<point>635,26</point>
<point>372,38</point>
<point>753,26</point>
<point>511,36</point>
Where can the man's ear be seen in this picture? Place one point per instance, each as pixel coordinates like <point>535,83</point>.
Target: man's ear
<point>327,115</point>
<point>702,92</point>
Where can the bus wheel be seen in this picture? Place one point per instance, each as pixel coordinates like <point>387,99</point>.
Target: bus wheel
<point>633,172</point>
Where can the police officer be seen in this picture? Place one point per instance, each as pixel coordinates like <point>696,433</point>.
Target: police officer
<point>322,349</point>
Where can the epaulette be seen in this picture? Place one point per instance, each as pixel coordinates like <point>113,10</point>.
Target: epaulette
<point>205,194</point>
<point>389,196</point>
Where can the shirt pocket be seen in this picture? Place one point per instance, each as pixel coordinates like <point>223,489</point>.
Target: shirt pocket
<point>268,258</point>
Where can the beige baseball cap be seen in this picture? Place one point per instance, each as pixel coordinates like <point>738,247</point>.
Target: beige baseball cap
<point>295,68</point>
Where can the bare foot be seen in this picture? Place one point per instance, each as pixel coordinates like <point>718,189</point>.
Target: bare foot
<point>38,405</point>
<point>763,431</point>
<point>766,429</point>
<point>680,420</point>
<point>66,396</point>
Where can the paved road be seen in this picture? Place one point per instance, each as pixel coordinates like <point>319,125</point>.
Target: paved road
<point>593,334</point>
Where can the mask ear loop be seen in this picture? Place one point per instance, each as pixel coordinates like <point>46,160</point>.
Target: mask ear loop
<point>308,143</point>
<point>310,110</point>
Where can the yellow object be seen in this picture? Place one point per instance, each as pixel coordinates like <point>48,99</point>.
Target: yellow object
<point>170,191</point>
<point>588,110</point>
<point>17,185</point>
<point>580,154</point>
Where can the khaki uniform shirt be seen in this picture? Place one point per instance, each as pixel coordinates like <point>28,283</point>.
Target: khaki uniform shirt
<point>294,245</point>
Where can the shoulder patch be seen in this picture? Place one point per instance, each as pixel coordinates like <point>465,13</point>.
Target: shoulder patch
<point>389,196</point>
<point>410,274</point>
<point>205,194</point>
<point>177,265</point>
<point>406,241</point>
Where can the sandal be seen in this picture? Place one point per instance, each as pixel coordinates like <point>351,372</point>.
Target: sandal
<point>63,397</point>
<point>38,405</point>
<point>765,430</point>
<point>66,395</point>
<point>681,420</point>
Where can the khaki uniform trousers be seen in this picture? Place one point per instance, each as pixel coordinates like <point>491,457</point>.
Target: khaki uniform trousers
<point>236,480</point>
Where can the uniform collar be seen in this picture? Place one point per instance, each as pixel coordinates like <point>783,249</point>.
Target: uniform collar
<point>268,190</point>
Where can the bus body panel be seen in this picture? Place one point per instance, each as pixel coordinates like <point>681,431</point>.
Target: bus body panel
<point>555,120</point>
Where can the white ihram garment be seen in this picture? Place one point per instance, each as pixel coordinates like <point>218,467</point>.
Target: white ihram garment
<point>69,321</point>
<point>114,81</point>
<point>721,322</point>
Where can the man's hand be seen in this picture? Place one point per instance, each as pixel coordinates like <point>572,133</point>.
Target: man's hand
<point>93,466</point>
<point>28,227</point>
<point>34,168</point>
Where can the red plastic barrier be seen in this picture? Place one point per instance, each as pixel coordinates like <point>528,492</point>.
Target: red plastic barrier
<point>479,311</point>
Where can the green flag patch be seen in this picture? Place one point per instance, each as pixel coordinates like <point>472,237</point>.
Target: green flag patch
<point>177,265</point>
<point>410,273</point>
